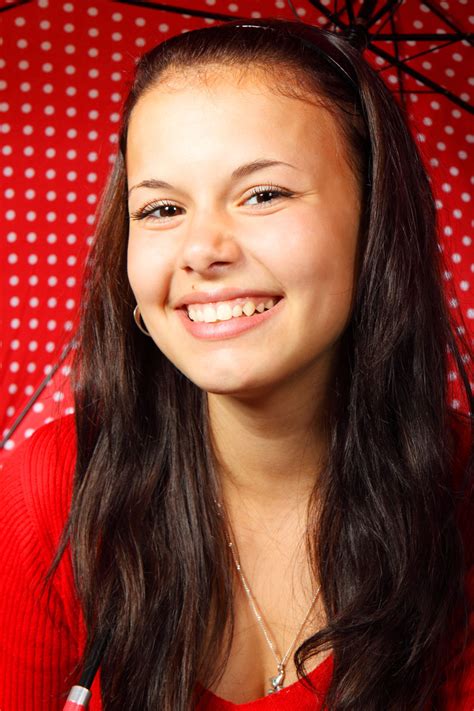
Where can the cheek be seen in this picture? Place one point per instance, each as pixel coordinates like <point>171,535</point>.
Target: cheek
<point>316,251</point>
<point>148,271</point>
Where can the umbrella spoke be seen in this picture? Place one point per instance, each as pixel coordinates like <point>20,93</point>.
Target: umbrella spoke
<point>445,19</point>
<point>15,4</point>
<point>389,6</point>
<point>422,78</point>
<point>179,10</point>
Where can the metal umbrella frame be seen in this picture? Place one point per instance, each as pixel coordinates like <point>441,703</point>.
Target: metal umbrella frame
<point>359,28</point>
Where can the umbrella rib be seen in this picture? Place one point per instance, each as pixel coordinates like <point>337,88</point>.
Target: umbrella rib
<point>445,19</point>
<point>15,4</point>
<point>335,19</point>
<point>180,10</point>
<point>420,37</point>
<point>350,12</point>
<point>401,79</point>
<point>36,394</point>
<point>421,78</point>
<point>389,6</point>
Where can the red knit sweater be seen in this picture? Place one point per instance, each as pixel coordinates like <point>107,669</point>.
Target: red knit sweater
<point>41,637</point>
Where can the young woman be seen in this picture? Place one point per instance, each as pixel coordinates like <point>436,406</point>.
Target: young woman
<point>264,488</point>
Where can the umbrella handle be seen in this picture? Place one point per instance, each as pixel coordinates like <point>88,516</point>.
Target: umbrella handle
<point>78,699</point>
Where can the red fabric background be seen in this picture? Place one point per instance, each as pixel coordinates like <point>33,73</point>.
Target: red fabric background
<point>64,68</point>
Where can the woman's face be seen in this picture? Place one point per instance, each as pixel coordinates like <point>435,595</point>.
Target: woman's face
<point>246,200</point>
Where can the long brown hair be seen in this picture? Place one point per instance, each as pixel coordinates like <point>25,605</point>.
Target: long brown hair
<point>149,552</point>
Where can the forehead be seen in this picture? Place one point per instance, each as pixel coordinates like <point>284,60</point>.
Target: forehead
<point>220,112</point>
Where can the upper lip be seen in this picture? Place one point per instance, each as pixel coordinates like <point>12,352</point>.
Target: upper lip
<point>206,297</point>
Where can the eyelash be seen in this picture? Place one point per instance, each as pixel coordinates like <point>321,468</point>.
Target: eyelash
<point>146,211</point>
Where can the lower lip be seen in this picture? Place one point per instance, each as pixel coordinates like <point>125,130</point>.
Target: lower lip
<point>226,329</point>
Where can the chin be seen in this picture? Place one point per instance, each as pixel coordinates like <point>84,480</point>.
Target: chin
<point>236,385</point>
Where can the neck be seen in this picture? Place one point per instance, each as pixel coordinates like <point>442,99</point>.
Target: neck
<point>269,449</point>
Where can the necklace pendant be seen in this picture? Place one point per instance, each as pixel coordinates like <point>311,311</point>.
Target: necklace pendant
<point>277,680</point>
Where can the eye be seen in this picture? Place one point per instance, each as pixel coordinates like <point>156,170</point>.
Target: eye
<point>269,193</point>
<point>148,211</point>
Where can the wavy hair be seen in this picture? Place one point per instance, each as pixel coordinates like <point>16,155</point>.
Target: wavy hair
<point>385,540</point>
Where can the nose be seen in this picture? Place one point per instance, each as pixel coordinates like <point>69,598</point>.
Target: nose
<point>210,243</point>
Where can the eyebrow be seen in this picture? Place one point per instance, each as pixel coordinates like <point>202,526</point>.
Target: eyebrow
<point>241,172</point>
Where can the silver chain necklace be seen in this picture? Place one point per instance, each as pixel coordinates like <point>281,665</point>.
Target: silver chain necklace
<point>277,680</point>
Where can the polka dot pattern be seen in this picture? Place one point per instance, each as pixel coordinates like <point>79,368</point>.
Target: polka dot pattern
<point>63,73</point>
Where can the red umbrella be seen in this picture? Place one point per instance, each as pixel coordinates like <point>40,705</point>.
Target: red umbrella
<point>64,67</point>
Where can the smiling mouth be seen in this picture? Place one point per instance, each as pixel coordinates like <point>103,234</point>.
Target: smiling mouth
<point>227,310</point>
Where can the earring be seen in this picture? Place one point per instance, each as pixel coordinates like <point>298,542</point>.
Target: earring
<point>137,319</point>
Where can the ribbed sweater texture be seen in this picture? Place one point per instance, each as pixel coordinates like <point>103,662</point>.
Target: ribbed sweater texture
<point>42,635</point>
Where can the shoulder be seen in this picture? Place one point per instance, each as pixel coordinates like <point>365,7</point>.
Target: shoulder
<point>36,479</point>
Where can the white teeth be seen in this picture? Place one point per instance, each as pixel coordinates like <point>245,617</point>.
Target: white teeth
<point>224,311</point>
<point>248,308</point>
<point>210,314</point>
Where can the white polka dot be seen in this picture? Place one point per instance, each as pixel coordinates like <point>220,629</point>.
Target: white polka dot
<point>14,367</point>
<point>465,197</point>
<point>456,257</point>
<point>38,407</point>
